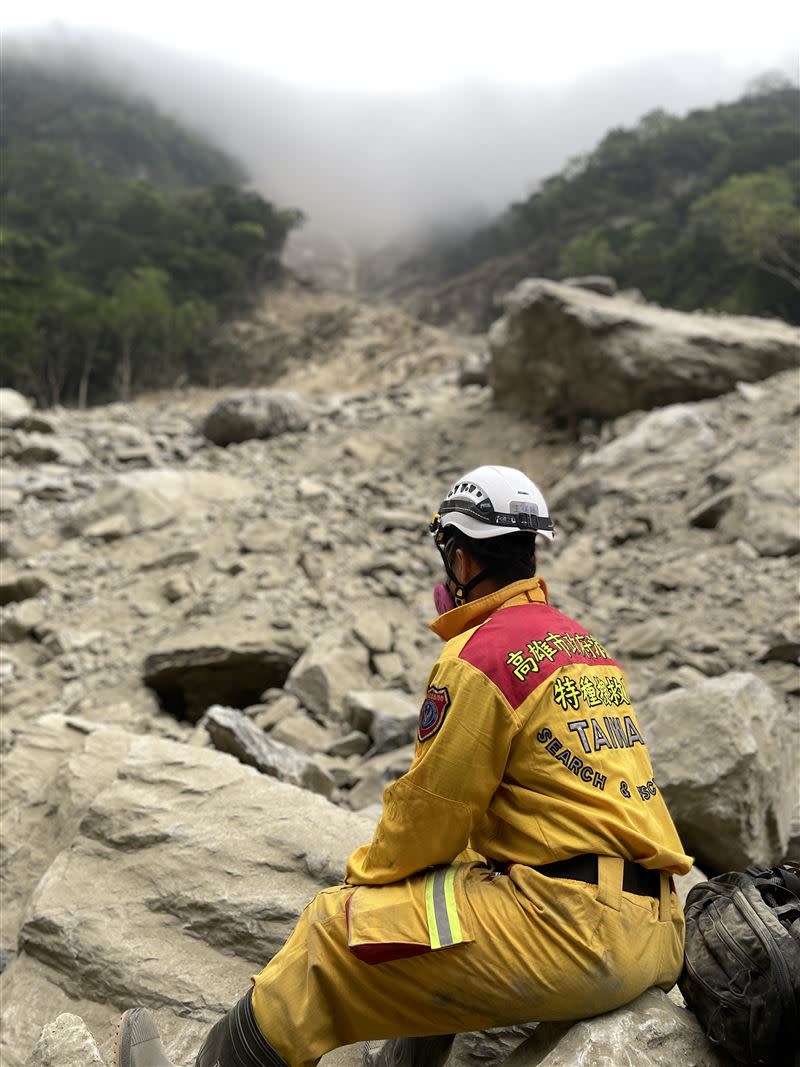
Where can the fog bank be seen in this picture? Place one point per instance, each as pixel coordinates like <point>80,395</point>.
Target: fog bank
<point>373,169</point>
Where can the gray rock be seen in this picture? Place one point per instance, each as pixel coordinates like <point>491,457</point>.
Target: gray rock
<point>374,631</point>
<point>10,500</point>
<point>555,344</point>
<point>39,422</point>
<point>388,716</point>
<point>14,407</point>
<point>257,414</point>
<point>187,873</point>
<point>21,621</point>
<point>390,668</point>
<point>57,765</point>
<point>176,588</point>
<point>722,755</point>
<point>474,370</point>
<point>22,585</point>
<point>142,500</point>
<point>375,775</point>
<point>761,512</point>
<point>67,1043</point>
<point>354,743</point>
<point>594,283</point>
<point>685,882</point>
<point>231,731</point>
<point>48,448</point>
<point>649,1032</point>
<point>301,732</point>
<point>388,519</point>
<point>332,665</point>
<point>266,535</point>
<point>679,430</point>
<point>645,639</point>
<point>221,663</point>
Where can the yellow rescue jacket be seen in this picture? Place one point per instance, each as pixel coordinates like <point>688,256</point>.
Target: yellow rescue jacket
<point>528,751</point>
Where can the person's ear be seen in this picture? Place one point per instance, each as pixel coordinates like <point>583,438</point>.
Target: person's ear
<point>462,565</point>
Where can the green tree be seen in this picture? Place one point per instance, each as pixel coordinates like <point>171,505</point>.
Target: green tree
<point>589,253</point>
<point>757,218</point>
<point>139,315</point>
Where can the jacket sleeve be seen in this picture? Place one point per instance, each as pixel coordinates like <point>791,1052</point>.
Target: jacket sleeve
<point>428,814</point>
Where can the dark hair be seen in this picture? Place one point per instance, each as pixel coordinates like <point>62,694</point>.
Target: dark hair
<point>509,558</point>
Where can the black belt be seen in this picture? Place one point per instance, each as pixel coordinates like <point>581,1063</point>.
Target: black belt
<point>635,878</point>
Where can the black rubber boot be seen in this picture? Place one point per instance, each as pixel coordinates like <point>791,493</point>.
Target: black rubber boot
<point>236,1041</point>
<point>408,1052</point>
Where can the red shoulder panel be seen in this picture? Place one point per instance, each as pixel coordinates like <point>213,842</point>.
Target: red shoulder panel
<point>519,647</point>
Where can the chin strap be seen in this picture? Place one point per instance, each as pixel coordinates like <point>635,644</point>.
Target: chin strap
<point>462,588</point>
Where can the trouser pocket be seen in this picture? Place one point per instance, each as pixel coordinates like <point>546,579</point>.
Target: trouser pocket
<point>403,919</point>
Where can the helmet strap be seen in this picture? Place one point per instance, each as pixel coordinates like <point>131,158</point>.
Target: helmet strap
<point>462,589</point>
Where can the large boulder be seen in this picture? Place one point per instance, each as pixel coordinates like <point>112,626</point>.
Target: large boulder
<point>725,763</point>
<point>14,407</point>
<point>186,875</point>
<point>231,731</point>
<point>257,414</point>
<point>220,664</point>
<point>652,1031</point>
<point>149,499</point>
<point>568,351</point>
<point>56,765</point>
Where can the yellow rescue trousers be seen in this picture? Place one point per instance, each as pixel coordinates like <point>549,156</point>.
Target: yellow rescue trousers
<point>463,948</point>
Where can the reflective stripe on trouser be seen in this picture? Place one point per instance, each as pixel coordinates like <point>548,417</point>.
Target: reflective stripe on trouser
<point>444,928</point>
<point>541,949</point>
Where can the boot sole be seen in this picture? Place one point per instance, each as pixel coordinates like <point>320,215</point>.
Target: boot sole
<point>118,1036</point>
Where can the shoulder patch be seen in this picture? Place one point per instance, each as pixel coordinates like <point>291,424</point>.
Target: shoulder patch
<point>432,713</point>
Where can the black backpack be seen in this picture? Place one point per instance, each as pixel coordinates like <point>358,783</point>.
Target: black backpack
<point>741,973</point>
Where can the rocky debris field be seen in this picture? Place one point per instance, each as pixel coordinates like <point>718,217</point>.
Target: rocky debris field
<point>213,657</point>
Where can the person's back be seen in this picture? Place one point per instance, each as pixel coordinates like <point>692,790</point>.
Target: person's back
<point>578,777</point>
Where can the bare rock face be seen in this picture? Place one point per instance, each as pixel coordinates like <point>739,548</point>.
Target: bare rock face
<point>197,869</point>
<point>567,351</point>
<point>258,414</point>
<point>231,731</point>
<point>57,765</point>
<point>723,756</point>
<point>215,664</point>
<point>649,1032</point>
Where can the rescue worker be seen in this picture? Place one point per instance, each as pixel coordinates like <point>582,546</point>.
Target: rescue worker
<point>520,869</point>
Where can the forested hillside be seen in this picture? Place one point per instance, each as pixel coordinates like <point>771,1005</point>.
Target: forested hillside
<point>126,239</point>
<point>697,212</point>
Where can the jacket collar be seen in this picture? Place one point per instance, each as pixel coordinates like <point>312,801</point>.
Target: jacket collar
<point>456,621</point>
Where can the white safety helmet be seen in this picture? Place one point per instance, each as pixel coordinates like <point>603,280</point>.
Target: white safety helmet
<point>493,501</point>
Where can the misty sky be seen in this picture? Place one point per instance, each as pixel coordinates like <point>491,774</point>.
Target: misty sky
<point>390,45</point>
<point>381,119</point>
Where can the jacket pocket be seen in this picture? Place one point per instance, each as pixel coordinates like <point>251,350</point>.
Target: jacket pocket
<point>420,914</point>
